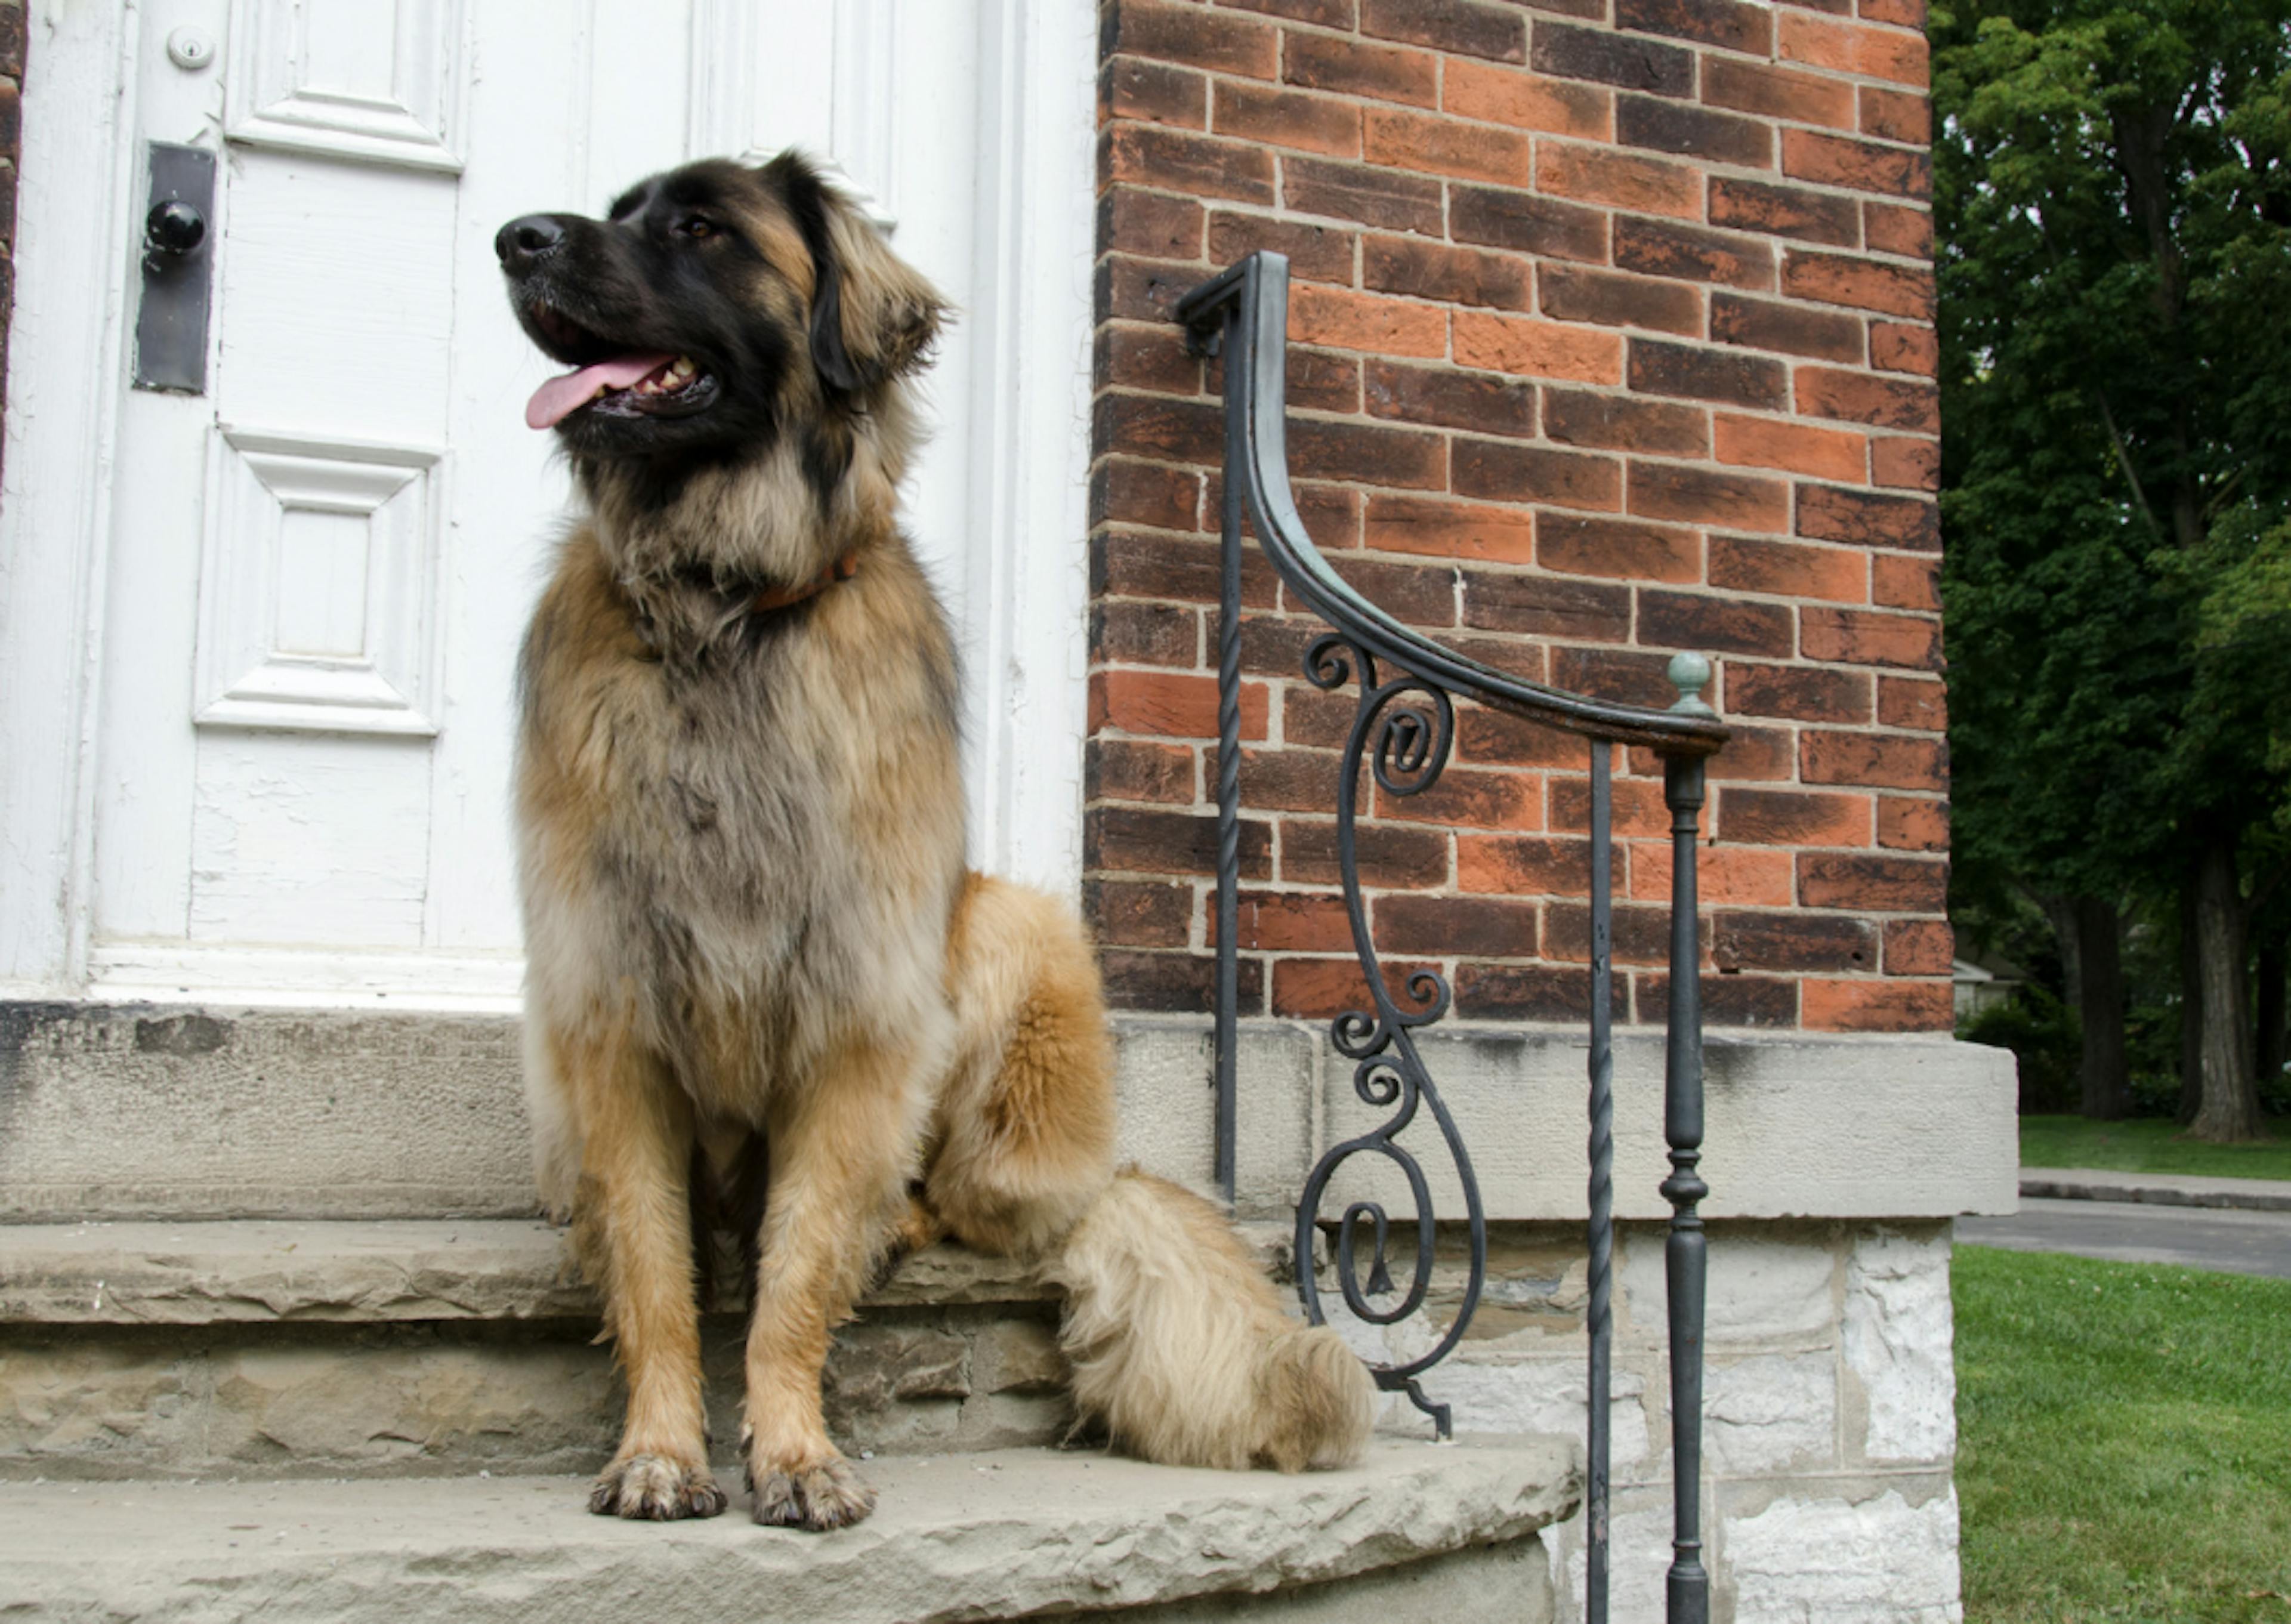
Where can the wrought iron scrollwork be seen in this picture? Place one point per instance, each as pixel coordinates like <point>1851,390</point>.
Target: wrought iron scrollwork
<point>1403,730</point>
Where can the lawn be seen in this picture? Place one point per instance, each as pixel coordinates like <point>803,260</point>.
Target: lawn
<point>2150,1145</point>
<point>2125,1447</point>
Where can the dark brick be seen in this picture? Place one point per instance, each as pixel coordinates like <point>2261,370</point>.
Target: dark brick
<point>1677,126</point>
<point>1134,221</point>
<point>1145,425</point>
<point>1799,693</point>
<point>1918,947</point>
<point>1763,323</point>
<point>1617,549</point>
<point>1777,93</point>
<point>1186,569</point>
<point>1175,981</point>
<point>1752,1003</point>
<point>1834,514</point>
<point>1784,211</point>
<point>1355,67</point>
<point>1131,633</point>
<point>1139,913</point>
<point>1573,294</point>
<point>1493,32</point>
<point>1352,191</point>
<point>1128,289</point>
<point>1872,884</point>
<point>1366,452</point>
<point>1143,840</point>
<point>1480,401</point>
<point>1175,160</point>
<point>1612,59</point>
<point>1666,248</point>
<point>1657,368</point>
<point>11,41</point>
<point>1144,494</point>
<point>1421,594</point>
<point>1493,738</point>
<point>1638,936</point>
<point>1760,816</point>
<point>1138,769</point>
<point>1501,471</point>
<point>1545,605</point>
<point>1614,674</point>
<point>1867,285</point>
<point>1896,116</point>
<point>1451,276</point>
<point>1793,942</point>
<point>1288,118</point>
<point>1477,926</point>
<point>1878,760</point>
<point>1703,496</point>
<point>1190,34</point>
<point>1621,422</point>
<point>1412,859</point>
<point>1715,625</point>
<point>1526,223</point>
<point>1728,24</point>
<point>1881,403</point>
<point>1327,13</point>
<point>1901,347</point>
<point>1316,253</point>
<point>1529,992</point>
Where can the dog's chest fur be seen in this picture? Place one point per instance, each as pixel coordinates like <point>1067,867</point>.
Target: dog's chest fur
<point>704,811</point>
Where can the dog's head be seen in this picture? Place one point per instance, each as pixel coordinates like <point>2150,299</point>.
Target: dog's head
<point>713,307</point>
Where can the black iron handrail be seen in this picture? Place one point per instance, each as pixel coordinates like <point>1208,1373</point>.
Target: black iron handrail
<point>1402,729</point>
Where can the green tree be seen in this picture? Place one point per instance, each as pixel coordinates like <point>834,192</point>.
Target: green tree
<point>2111,201</point>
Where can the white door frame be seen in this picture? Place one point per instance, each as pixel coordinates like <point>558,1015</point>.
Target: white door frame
<point>79,197</point>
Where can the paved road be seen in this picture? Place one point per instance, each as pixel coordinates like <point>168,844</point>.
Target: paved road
<point>2190,1237</point>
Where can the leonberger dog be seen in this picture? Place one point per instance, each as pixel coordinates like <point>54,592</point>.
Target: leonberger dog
<point>761,979</point>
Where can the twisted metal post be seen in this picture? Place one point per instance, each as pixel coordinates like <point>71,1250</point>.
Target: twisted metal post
<point>1228,814</point>
<point>1599,1319</point>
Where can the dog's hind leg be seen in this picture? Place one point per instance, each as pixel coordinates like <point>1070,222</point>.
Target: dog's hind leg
<point>843,1149</point>
<point>633,1225</point>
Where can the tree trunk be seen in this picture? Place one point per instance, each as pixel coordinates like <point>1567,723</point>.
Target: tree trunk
<point>2274,963</point>
<point>2230,1112</point>
<point>2104,1075</point>
<point>2192,1007</point>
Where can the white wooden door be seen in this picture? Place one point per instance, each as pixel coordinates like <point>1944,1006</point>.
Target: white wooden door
<point>290,609</point>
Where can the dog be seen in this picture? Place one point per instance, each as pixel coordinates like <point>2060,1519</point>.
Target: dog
<point>760,978</point>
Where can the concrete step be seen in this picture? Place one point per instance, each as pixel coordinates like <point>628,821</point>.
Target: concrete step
<point>1418,1530</point>
<point>427,1348</point>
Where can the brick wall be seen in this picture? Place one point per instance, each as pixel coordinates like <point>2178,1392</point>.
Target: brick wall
<point>1610,336</point>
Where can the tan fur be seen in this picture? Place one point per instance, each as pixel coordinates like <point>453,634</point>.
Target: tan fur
<point>750,931</point>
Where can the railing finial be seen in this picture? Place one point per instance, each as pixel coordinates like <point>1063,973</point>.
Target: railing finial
<point>1689,674</point>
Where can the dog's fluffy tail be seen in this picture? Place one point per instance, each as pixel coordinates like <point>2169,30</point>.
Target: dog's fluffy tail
<point>1179,1345</point>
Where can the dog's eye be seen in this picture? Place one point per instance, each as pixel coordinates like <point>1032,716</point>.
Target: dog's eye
<point>698,228</point>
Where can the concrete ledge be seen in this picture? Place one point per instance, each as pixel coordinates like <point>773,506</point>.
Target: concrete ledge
<point>2155,1189</point>
<point>163,1112</point>
<point>957,1537</point>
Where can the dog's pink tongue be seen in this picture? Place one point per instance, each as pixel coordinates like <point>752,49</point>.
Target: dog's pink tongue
<point>560,398</point>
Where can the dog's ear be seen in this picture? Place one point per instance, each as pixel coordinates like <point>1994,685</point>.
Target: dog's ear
<point>873,315</point>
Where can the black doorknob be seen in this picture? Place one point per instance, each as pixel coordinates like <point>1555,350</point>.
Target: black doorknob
<point>174,227</point>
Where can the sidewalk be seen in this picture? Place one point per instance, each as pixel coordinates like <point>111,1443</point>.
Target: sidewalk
<point>2155,1189</point>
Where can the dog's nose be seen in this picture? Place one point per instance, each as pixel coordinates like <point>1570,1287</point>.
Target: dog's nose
<point>522,243</point>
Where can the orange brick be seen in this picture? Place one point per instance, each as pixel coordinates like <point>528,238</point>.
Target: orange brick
<point>1525,866</point>
<point>1537,348</point>
<point>1905,464</point>
<point>1596,174</point>
<point>1905,583</point>
<point>1288,118</point>
<point>1874,1004</point>
<point>1464,799</point>
<point>1288,921</point>
<point>1846,47</point>
<point>1505,95</point>
<point>1753,875</point>
<point>1905,824</point>
<point>1174,705</point>
<point>1762,442</point>
<point>1449,529</point>
<point>1345,320</point>
<point>1789,569</point>
<point>1432,145</point>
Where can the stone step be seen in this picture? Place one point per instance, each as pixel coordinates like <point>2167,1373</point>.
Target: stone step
<point>1418,1530</point>
<point>415,1348</point>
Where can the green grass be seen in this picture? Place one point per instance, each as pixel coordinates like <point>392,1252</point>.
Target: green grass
<point>2149,1144</point>
<point>2124,1442</point>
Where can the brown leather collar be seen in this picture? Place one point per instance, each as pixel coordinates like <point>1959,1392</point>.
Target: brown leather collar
<point>842,569</point>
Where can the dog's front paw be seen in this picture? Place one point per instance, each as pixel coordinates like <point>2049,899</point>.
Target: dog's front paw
<point>819,1497</point>
<point>655,1488</point>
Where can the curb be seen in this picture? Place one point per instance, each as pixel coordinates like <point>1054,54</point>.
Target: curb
<point>2244,1195</point>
